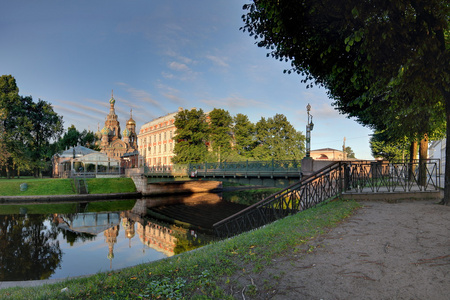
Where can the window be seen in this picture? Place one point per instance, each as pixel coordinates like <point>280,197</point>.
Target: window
<point>165,135</point>
<point>159,148</point>
<point>165,148</point>
<point>171,134</point>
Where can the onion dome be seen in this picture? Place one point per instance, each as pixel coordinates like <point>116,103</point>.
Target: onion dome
<point>131,121</point>
<point>105,131</point>
<point>112,100</point>
<point>126,133</point>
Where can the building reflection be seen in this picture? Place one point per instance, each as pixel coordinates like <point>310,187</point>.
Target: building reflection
<point>111,235</point>
<point>164,238</point>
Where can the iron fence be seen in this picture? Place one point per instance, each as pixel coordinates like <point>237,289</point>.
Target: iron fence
<point>330,182</point>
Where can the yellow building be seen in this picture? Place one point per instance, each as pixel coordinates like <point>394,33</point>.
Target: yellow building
<point>327,154</point>
<point>156,140</point>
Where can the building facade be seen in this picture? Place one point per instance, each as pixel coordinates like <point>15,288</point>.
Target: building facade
<point>114,142</point>
<point>327,154</point>
<point>436,150</point>
<point>156,140</point>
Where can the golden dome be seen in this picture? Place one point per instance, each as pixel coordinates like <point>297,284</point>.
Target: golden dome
<point>131,121</point>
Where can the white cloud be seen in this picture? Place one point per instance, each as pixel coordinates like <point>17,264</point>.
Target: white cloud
<point>217,60</point>
<point>178,67</point>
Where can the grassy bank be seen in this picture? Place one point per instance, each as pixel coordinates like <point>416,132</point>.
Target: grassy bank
<point>57,186</point>
<point>205,273</point>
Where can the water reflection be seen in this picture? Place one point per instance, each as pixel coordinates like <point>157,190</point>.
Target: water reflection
<point>60,245</point>
<point>29,249</point>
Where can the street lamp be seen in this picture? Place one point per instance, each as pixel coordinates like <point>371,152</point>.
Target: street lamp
<point>309,128</point>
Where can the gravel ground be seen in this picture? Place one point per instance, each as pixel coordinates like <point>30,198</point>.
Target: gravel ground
<point>384,251</point>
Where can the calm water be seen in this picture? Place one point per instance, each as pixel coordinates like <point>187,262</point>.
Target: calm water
<point>65,244</point>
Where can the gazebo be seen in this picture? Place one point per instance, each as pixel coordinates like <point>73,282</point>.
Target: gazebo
<point>82,161</point>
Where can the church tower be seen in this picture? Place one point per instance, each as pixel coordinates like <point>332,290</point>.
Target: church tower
<point>111,141</point>
<point>111,121</point>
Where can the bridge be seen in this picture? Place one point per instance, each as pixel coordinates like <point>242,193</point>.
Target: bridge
<point>359,180</point>
<point>278,173</point>
<point>345,179</point>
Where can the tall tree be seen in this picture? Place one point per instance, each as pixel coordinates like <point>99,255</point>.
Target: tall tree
<point>46,126</point>
<point>220,123</point>
<point>244,135</point>
<point>191,137</point>
<point>14,126</point>
<point>368,53</point>
<point>278,139</point>
<point>27,129</point>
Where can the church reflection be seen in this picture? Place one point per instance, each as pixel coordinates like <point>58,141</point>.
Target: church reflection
<point>77,243</point>
<point>165,238</point>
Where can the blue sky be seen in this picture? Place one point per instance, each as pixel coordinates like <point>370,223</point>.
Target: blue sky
<point>157,56</point>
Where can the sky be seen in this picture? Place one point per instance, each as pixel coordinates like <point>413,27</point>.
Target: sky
<point>157,56</point>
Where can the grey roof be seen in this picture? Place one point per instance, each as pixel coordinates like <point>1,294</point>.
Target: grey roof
<point>79,151</point>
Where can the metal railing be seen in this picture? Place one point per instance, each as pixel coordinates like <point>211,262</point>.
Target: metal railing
<point>330,182</point>
<point>240,168</point>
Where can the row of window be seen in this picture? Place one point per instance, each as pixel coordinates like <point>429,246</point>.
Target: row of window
<point>160,137</point>
<point>158,149</point>
<point>159,161</point>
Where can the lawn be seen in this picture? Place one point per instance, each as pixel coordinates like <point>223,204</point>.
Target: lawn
<point>59,186</point>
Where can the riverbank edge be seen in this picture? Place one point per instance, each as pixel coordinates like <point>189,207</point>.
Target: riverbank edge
<point>67,198</point>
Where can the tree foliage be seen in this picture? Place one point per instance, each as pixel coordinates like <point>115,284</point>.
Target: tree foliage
<point>219,137</point>
<point>73,137</point>
<point>26,130</point>
<point>191,137</point>
<point>387,63</point>
<point>388,149</point>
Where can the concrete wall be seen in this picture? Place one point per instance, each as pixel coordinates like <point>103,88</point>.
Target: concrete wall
<point>175,187</point>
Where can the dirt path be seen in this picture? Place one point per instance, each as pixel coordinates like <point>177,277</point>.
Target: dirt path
<point>384,251</point>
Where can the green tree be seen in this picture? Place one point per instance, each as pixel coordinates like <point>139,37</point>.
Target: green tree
<point>46,126</point>
<point>27,129</point>
<point>220,139</point>
<point>191,137</point>
<point>390,55</point>
<point>244,135</point>
<point>73,137</point>
<point>15,127</point>
<point>349,152</point>
<point>393,151</point>
<point>277,139</point>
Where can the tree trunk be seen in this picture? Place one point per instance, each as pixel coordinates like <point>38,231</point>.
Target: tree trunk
<point>423,156</point>
<point>446,200</point>
<point>412,157</point>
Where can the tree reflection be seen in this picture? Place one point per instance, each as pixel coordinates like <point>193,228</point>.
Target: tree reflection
<point>29,250</point>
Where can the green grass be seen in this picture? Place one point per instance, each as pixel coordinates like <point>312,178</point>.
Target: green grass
<point>11,187</point>
<point>200,274</point>
<point>57,186</point>
<point>110,185</point>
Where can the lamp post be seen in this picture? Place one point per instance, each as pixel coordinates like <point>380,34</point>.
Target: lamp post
<point>309,128</point>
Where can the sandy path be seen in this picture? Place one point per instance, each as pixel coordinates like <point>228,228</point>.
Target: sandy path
<point>384,251</point>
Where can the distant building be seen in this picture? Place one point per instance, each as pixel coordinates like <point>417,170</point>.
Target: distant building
<point>436,150</point>
<point>327,154</point>
<point>156,140</point>
<point>111,142</point>
<point>81,160</point>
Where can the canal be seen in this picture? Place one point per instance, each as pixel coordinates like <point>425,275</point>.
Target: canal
<point>50,241</point>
